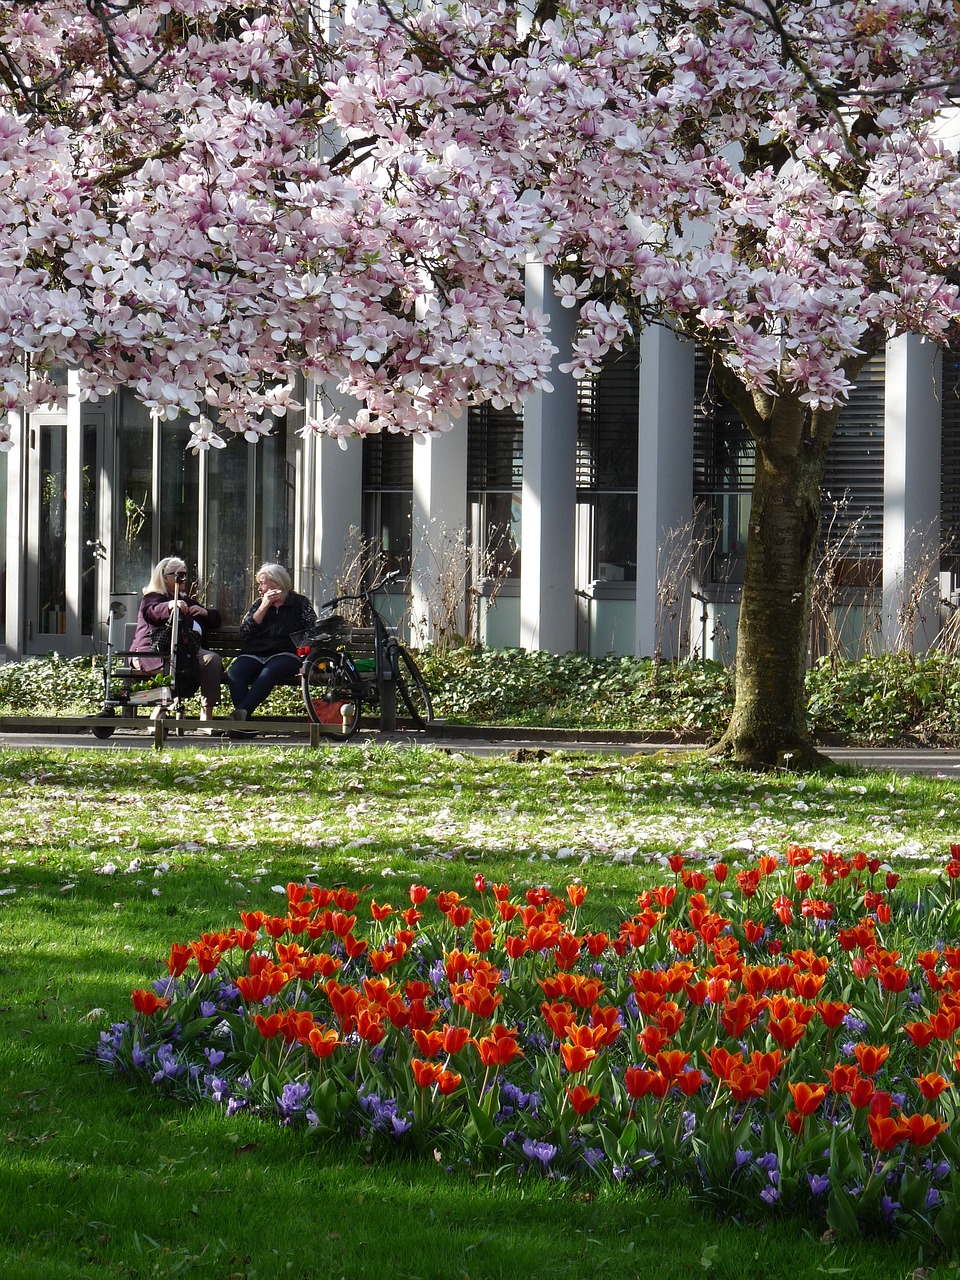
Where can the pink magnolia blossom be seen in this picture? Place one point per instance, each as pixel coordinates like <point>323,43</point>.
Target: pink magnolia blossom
<point>199,200</point>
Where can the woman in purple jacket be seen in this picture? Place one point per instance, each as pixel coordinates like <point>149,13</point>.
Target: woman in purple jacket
<point>197,666</point>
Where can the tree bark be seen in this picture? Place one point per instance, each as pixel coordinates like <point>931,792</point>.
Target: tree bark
<point>768,726</point>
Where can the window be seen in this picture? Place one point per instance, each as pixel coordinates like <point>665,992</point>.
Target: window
<point>494,485</point>
<point>388,498</point>
<point>852,510</point>
<point>224,512</point>
<point>607,461</point>
<point>950,463</point>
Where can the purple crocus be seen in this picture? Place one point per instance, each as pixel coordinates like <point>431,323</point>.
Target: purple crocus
<point>539,1151</point>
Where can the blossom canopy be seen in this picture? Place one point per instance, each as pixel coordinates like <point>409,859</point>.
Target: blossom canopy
<point>200,200</point>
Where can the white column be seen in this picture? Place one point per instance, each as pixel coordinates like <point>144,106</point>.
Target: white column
<point>332,503</point>
<point>439,567</point>
<point>911,493</point>
<point>547,605</point>
<point>665,481</point>
<point>16,461</point>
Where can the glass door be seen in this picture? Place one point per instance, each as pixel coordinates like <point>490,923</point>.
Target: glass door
<point>47,536</point>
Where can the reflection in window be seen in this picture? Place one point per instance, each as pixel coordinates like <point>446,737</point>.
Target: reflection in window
<point>179,494</point>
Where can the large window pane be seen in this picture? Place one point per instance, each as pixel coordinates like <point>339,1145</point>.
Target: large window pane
<point>274,498</point>
<point>92,549</point>
<point>179,495</point>
<point>3,548</point>
<point>51,567</point>
<point>229,554</point>
<point>133,496</point>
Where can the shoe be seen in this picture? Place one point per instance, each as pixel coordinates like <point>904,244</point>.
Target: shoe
<point>241,733</point>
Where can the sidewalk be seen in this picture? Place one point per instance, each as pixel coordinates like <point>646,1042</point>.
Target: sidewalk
<point>470,739</point>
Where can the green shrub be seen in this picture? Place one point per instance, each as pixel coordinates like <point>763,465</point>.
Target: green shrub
<point>886,700</point>
<point>573,690</point>
<point>51,686</point>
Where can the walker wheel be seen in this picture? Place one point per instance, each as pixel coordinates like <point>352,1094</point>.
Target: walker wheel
<point>105,730</point>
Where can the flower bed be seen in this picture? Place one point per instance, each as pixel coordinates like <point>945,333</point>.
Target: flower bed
<point>765,1036</point>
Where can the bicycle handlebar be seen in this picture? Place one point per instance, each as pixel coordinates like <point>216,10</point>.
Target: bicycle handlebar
<point>366,595</point>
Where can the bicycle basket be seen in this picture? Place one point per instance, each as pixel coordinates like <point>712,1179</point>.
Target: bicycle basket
<point>328,631</point>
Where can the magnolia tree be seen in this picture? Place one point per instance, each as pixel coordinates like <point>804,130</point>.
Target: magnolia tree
<point>199,200</point>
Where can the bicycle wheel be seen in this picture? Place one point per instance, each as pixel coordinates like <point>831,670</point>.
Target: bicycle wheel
<point>331,693</point>
<point>412,689</point>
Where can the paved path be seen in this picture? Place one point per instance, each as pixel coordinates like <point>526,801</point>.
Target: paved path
<point>936,763</point>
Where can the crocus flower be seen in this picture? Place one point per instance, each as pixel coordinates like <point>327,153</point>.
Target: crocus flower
<point>542,1152</point>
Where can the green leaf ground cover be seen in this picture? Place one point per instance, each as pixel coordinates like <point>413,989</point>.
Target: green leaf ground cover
<point>884,700</point>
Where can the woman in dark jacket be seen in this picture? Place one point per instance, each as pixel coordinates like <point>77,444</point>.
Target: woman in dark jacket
<point>269,656</point>
<point>197,666</point>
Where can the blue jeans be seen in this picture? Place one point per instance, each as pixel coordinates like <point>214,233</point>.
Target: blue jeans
<point>251,679</point>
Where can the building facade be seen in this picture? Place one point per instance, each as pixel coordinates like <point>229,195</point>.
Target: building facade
<point>610,516</point>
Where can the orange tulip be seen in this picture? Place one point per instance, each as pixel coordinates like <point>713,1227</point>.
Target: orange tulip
<point>581,1099</point>
<point>871,1057</point>
<point>180,957</point>
<point>652,1040</point>
<point>920,1130</point>
<point>605,1019</point>
<point>671,1064</point>
<point>500,1047</point>
<point>269,1028</point>
<point>448,1081</point>
<point>454,1038</point>
<point>943,1024</point>
<point>885,1132</point>
<point>430,1043</point>
<point>638,1081</point>
<point>832,1012</point>
<point>843,1077</point>
<point>807,1097</point>
<point>559,1016</point>
<point>147,1002</point>
<point>787,1032</point>
<point>424,1073</point>
<point>690,1081</point>
<point>370,1026</point>
<point>931,1085</point>
<point>576,1057</point>
<point>322,1043</point>
<point>862,1093</point>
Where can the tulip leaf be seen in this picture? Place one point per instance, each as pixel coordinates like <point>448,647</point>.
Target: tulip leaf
<point>841,1214</point>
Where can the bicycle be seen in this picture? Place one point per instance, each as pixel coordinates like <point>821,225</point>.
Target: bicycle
<point>336,682</point>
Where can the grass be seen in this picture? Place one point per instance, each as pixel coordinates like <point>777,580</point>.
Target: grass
<point>108,857</point>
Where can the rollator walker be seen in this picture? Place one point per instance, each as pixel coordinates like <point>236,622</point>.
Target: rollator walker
<point>121,673</point>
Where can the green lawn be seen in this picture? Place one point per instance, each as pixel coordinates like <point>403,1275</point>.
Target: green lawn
<point>109,857</point>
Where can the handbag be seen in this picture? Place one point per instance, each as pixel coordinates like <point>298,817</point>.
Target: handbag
<point>162,634</point>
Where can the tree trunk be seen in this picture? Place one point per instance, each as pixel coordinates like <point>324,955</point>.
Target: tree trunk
<point>768,727</point>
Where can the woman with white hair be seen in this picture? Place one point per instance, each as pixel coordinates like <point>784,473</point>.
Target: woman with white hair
<point>269,655</point>
<point>197,666</point>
